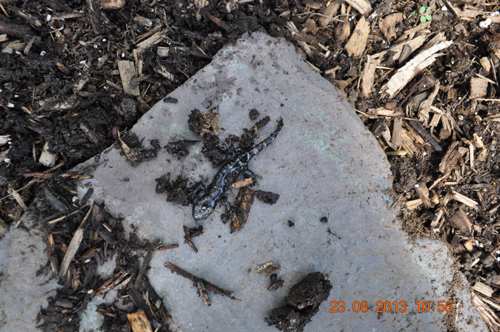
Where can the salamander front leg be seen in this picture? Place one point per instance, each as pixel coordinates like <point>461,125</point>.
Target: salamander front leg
<point>248,173</point>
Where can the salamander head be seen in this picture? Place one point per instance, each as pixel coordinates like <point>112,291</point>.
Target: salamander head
<point>202,209</point>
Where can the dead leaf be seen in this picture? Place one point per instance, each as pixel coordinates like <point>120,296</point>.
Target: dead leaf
<point>310,26</point>
<point>388,25</point>
<point>460,221</point>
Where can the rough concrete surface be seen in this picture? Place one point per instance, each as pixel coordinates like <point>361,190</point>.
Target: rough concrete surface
<point>323,163</point>
<point>24,285</point>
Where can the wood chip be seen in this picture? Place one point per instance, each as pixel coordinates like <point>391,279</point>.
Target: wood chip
<point>423,193</point>
<point>310,26</point>
<point>12,192</point>
<point>329,12</point>
<point>16,30</point>
<point>405,74</point>
<point>478,87</point>
<point>425,106</point>
<point>437,218</point>
<point>464,199</point>
<point>139,322</point>
<point>268,268</point>
<point>399,153</point>
<point>396,132</point>
<point>468,245</point>
<point>66,16</point>
<point>485,63</point>
<point>147,43</point>
<point>46,158</point>
<point>16,45</point>
<point>468,14</point>
<point>374,113</point>
<point>144,21</point>
<point>115,282</point>
<point>478,143</point>
<point>487,79</point>
<point>73,246</point>
<point>439,37</point>
<point>112,4</point>
<point>488,315</point>
<point>242,183</point>
<point>471,157</point>
<point>397,50</point>
<point>357,43</point>
<point>163,71</point>
<point>447,120</point>
<point>483,289</point>
<point>203,293</point>
<point>128,77</point>
<point>412,205</point>
<point>362,6</point>
<point>382,129</point>
<point>163,51</point>
<point>408,142</point>
<point>368,76</point>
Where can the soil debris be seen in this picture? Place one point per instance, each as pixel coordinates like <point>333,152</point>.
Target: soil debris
<point>302,303</point>
<point>202,123</point>
<point>267,197</point>
<point>241,208</point>
<point>136,153</point>
<point>177,190</point>
<point>179,148</point>
<point>275,282</point>
<point>253,114</point>
<point>89,237</point>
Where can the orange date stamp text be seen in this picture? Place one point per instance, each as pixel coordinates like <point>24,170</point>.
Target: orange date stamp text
<point>388,306</point>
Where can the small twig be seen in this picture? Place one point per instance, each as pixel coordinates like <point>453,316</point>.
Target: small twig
<point>218,21</point>
<point>208,285</point>
<point>168,246</point>
<point>428,138</point>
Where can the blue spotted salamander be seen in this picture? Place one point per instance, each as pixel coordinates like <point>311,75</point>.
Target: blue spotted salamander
<point>206,204</point>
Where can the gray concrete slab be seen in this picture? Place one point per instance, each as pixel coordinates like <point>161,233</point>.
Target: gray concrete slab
<point>323,163</point>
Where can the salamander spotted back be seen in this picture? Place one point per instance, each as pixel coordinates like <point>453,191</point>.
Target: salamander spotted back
<point>205,206</point>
